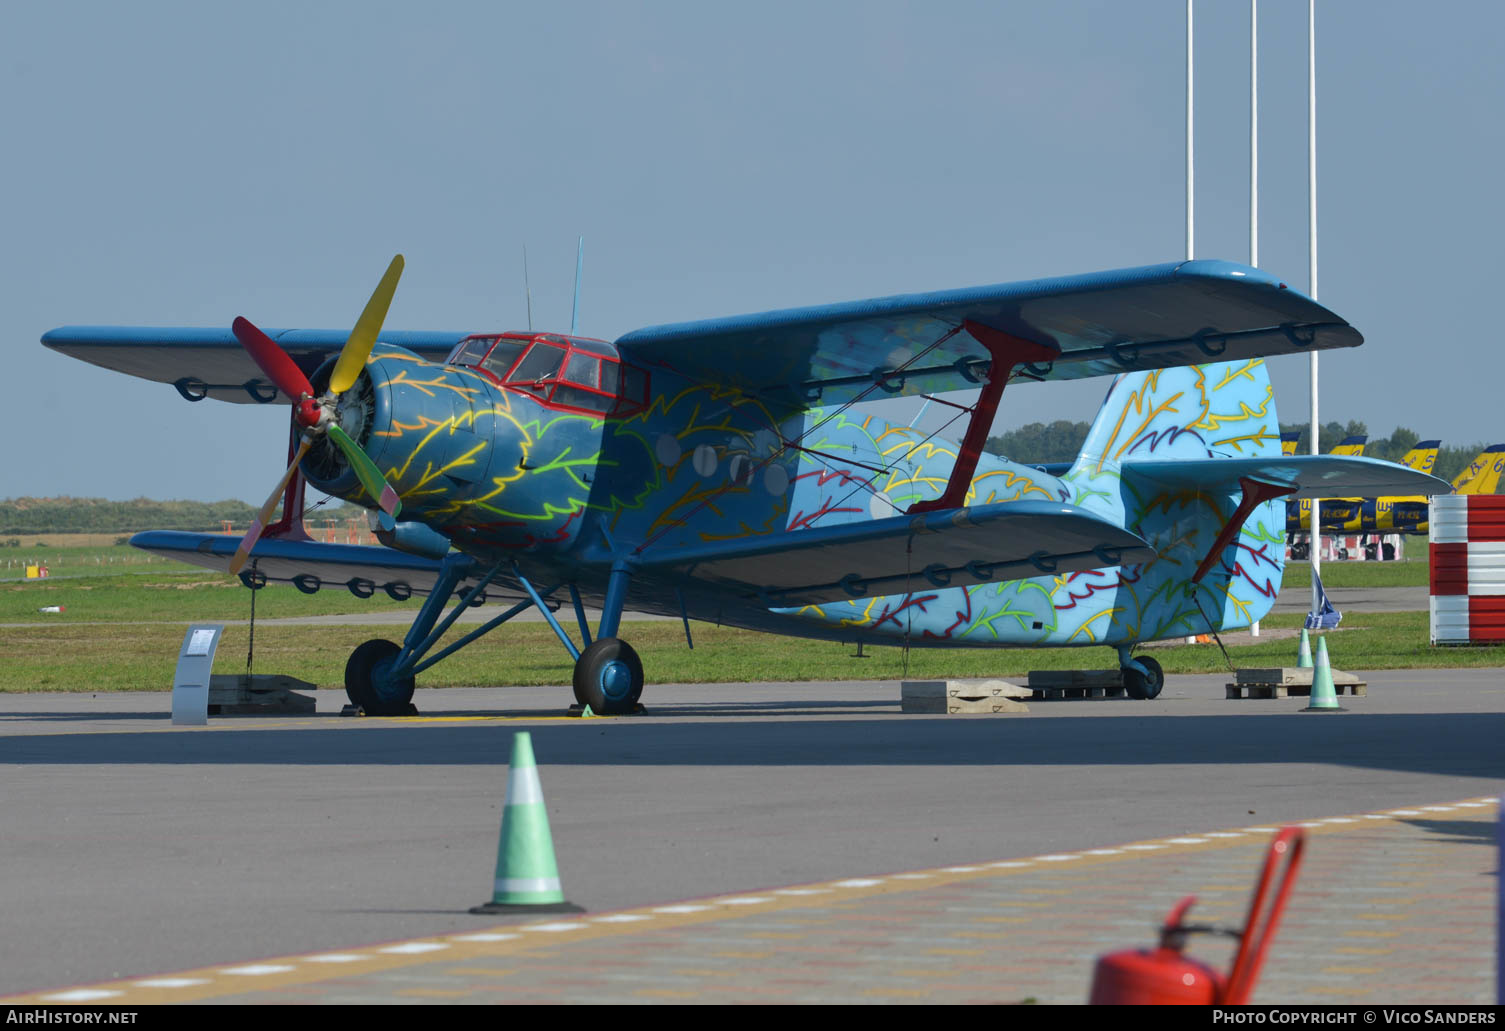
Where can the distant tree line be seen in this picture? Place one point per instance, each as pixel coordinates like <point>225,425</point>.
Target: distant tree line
<point>1039,442</point>
<point>98,515</point>
<point>1061,441</point>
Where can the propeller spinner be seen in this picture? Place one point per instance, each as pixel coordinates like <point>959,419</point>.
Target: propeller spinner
<point>317,415</point>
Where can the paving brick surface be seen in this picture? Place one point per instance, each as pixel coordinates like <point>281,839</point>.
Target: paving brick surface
<point>1394,907</point>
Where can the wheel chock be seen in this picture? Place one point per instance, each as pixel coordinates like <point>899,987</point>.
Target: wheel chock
<point>578,711</point>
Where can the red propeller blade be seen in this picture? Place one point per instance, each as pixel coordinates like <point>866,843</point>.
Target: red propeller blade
<point>279,368</point>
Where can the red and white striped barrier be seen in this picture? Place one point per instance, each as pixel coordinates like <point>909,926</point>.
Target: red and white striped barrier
<point>1466,542</point>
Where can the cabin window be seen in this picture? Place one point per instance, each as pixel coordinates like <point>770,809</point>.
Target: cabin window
<point>541,363</point>
<point>503,355</point>
<point>634,389</point>
<point>471,350</point>
<point>582,386</point>
<point>610,374</point>
<point>583,370</point>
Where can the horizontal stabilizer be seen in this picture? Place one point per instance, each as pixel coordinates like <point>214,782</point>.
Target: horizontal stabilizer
<point>1314,476</point>
<point>901,554</point>
<point>311,565</point>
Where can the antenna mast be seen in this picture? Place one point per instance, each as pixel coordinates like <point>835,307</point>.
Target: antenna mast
<point>527,290</point>
<point>579,269</point>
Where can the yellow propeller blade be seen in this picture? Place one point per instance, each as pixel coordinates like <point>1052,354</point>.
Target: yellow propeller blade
<point>367,328</point>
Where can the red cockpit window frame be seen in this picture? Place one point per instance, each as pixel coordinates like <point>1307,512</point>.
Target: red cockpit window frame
<point>615,404</point>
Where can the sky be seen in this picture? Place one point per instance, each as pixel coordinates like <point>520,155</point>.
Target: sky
<point>184,163</point>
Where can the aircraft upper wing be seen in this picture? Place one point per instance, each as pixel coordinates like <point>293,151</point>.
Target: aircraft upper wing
<point>362,569</point>
<point>983,544</point>
<point>210,362</point>
<point>1103,323</point>
<point>1314,476</point>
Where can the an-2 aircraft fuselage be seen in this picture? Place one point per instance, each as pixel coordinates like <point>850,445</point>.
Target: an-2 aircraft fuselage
<point>536,461</point>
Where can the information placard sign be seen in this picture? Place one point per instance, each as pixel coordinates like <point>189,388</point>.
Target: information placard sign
<point>190,684</point>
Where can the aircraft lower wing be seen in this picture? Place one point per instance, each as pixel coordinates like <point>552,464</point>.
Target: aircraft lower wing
<point>984,544</point>
<point>310,565</point>
<point>1313,476</point>
<point>1102,323</point>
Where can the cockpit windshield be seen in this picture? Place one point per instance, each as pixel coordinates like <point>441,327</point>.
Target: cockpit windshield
<point>539,365</point>
<point>568,372</point>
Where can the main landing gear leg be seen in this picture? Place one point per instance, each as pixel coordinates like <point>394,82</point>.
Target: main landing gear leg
<point>1143,677</point>
<point>609,674</point>
<point>379,675</point>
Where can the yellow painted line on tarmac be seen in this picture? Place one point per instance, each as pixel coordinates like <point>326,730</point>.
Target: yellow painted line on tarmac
<point>537,937</point>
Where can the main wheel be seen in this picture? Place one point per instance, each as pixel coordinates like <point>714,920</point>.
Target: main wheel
<point>1140,686</point>
<point>368,685</point>
<point>609,677</point>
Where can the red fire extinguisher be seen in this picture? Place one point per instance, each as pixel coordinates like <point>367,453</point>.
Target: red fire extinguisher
<point>1164,976</point>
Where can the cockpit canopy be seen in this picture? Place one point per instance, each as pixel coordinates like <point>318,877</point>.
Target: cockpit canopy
<point>576,373</point>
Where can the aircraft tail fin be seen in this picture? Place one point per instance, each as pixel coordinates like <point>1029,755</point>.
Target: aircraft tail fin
<point>1288,442</point>
<point>1163,457</point>
<point>1423,456</point>
<point>1194,412</point>
<point>1483,474</point>
<point>1353,445</point>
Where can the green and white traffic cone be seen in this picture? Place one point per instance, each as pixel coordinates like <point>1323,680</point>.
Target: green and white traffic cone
<point>1324,697</point>
<point>1304,655</point>
<point>527,877</point>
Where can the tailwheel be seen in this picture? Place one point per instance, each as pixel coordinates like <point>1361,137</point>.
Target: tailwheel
<point>368,684</point>
<point>1143,686</point>
<point>609,677</point>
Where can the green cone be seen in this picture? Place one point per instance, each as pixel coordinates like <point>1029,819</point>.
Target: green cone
<point>1304,656</point>
<point>526,873</point>
<point>1324,697</point>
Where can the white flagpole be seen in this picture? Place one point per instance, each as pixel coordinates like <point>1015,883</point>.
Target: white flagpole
<point>1254,160</point>
<point>1190,164</point>
<point>1190,180</point>
<point>1254,133</point>
<point>1311,180</point>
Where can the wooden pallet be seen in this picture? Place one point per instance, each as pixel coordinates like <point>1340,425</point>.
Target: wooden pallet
<point>1066,694</point>
<point>960,697</point>
<point>1288,682</point>
<point>1053,685</point>
<point>260,695</point>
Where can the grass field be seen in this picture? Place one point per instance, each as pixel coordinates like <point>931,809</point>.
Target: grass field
<point>125,612</point>
<point>179,595</point>
<point>1411,573</point>
<point>81,560</point>
<point>123,633</point>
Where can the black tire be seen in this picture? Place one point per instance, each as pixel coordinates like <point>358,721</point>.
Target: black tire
<point>609,677</point>
<point>1299,552</point>
<point>1142,687</point>
<point>377,695</point>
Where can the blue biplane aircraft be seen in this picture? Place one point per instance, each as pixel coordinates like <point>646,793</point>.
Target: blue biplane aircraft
<point>726,470</point>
